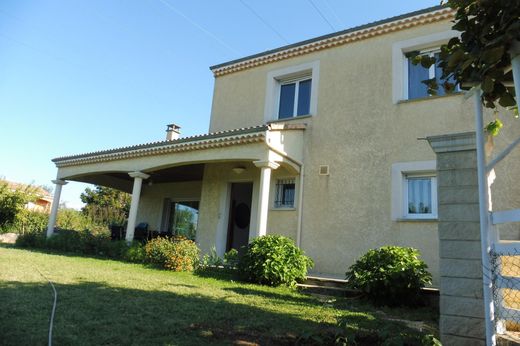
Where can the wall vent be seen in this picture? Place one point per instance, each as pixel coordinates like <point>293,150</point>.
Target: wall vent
<point>324,170</point>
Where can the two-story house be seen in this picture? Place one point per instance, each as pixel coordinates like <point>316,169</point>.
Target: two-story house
<point>319,141</point>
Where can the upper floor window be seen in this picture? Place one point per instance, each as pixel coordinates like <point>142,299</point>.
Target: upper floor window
<point>292,92</point>
<point>295,98</point>
<point>406,77</point>
<point>417,74</point>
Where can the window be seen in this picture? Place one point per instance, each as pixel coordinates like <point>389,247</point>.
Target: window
<point>406,77</point>
<point>414,190</point>
<point>419,194</point>
<point>284,193</point>
<point>417,73</point>
<point>292,92</point>
<point>295,98</point>
<point>183,219</point>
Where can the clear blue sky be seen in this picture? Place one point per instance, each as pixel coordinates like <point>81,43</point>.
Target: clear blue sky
<point>85,75</point>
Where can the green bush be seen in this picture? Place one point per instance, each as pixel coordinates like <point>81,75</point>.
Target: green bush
<point>390,275</point>
<point>231,258</point>
<point>274,260</point>
<point>175,253</point>
<point>30,221</point>
<point>133,253</point>
<point>34,239</point>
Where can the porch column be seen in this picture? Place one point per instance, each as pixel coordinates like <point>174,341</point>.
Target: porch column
<point>136,194</point>
<point>263,195</point>
<point>55,205</point>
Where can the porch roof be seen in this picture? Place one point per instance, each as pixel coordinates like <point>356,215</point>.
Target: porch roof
<point>198,142</point>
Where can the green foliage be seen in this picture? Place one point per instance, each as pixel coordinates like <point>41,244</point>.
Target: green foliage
<point>211,259</point>
<point>73,219</point>
<point>13,201</point>
<point>31,240</point>
<point>481,55</point>
<point>390,275</point>
<point>133,253</point>
<point>274,260</point>
<point>175,253</point>
<point>104,205</point>
<point>85,243</point>
<point>29,221</point>
<point>231,258</point>
<point>493,128</point>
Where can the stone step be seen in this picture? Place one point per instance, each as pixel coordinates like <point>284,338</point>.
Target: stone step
<point>325,282</point>
<point>327,290</point>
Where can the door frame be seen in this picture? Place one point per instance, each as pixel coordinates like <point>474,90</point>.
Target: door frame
<point>230,212</point>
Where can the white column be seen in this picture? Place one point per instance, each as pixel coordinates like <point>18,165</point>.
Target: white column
<point>263,195</point>
<point>55,205</point>
<point>136,194</point>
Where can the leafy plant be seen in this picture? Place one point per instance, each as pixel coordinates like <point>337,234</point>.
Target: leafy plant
<point>13,200</point>
<point>390,275</point>
<point>482,53</point>
<point>34,239</point>
<point>175,253</point>
<point>105,205</point>
<point>231,258</point>
<point>211,259</point>
<point>274,260</point>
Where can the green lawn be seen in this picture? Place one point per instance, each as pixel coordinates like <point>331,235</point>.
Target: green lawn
<point>103,302</point>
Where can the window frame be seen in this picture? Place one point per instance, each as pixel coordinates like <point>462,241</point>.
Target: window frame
<point>296,81</point>
<point>433,193</point>
<point>399,186</point>
<point>275,194</point>
<point>400,61</point>
<point>279,77</point>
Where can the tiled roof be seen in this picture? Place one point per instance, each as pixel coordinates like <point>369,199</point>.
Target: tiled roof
<point>428,15</point>
<point>209,140</point>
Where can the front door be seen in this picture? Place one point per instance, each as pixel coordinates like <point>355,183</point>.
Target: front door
<point>239,215</point>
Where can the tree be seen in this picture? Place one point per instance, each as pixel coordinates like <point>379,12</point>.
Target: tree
<point>13,199</point>
<point>106,205</point>
<point>481,55</point>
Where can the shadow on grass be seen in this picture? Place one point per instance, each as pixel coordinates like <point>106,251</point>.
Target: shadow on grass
<point>93,313</point>
<point>299,299</point>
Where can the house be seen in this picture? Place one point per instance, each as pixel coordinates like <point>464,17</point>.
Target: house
<point>319,141</point>
<point>43,199</point>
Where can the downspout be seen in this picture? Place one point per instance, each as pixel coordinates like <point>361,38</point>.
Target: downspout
<point>300,209</point>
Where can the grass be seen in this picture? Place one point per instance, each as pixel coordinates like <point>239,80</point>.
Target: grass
<point>104,302</point>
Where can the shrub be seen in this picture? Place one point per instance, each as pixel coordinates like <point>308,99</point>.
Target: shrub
<point>390,275</point>
<point>231,258</point>
<point>274,260</point>
<point>133,253</point>
<point>175,253</point>
<point>211,259</point>
<point>31,240</point>
<point>30,221</point>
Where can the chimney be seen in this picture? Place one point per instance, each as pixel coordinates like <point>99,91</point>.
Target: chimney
<point>172,132</point>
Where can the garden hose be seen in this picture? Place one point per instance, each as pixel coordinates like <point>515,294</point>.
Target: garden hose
<point>53,306</point>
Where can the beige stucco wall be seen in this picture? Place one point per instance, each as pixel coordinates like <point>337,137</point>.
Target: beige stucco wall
<point>360,133</point>
<point>214,204</point>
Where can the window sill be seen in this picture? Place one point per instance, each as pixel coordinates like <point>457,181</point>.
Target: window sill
<point>290,119</point>
<point>433,97</point>
<point>433,219</point>
<point>283,209</point>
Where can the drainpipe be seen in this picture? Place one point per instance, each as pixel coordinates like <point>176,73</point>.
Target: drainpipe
<point>300,209</point>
